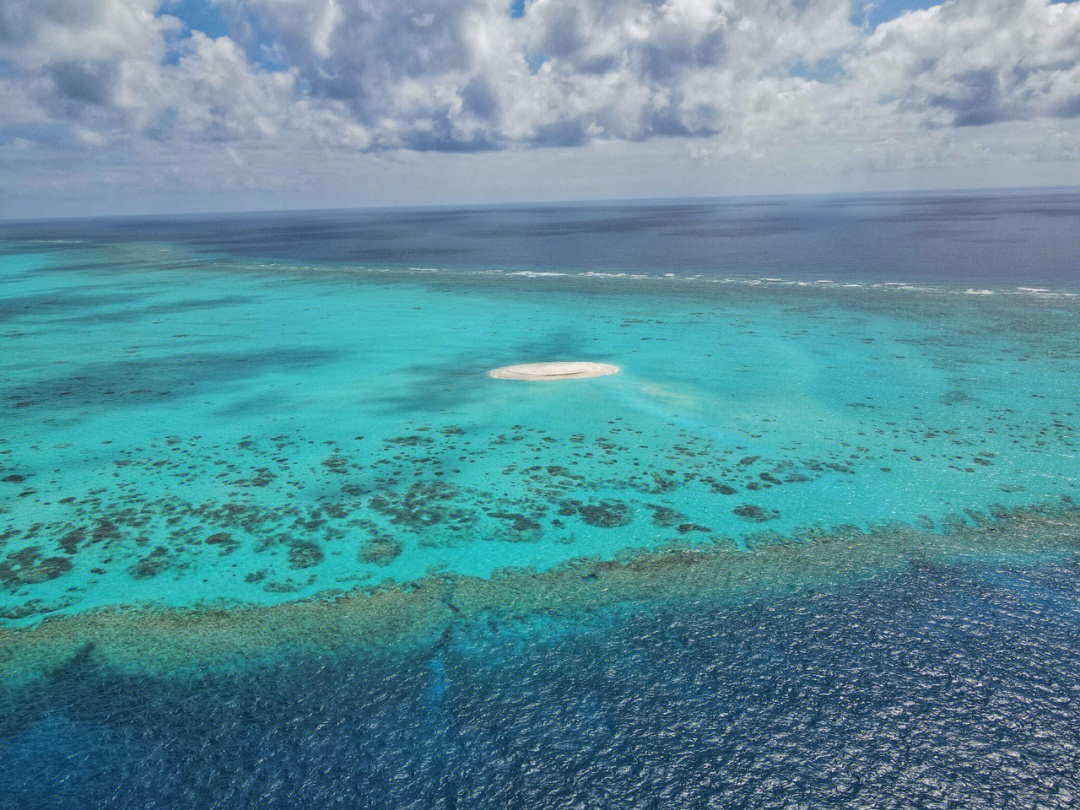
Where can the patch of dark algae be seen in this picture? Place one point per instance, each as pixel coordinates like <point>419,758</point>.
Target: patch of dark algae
<point>161,642</point>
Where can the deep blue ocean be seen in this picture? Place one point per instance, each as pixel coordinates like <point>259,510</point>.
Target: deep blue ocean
<point>943,687</point>
<point>984,239</point>
<point>271,538</point>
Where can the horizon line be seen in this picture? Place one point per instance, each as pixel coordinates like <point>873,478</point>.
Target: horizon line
<point>524,204</point>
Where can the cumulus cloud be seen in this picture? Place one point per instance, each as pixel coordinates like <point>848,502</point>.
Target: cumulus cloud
<point>771,81</point>
<point>976,62</point>
<point>118,69</point>
<point>453,75</point>
<point>85,50</point>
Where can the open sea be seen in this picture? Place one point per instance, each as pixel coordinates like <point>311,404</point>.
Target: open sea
<point>270,537</point>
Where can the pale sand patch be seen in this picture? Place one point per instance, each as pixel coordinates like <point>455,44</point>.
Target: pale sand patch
<point>553,371</point>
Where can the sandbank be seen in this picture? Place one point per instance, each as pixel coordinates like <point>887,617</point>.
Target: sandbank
<point>553,371</point>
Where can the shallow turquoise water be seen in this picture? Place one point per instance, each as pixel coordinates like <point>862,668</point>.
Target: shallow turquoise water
<point>257,410</point>
<point>186,428</point>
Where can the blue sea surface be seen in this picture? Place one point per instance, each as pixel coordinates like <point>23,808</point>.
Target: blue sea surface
<point>981,239</point>
<point>270,536</point>
<point>944,687</point>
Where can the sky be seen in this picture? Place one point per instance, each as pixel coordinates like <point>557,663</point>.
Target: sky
<point>167,106</point>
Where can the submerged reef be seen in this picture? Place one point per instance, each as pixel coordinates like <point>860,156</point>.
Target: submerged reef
<point>247,511</point>
<point>170,457</point>
<point>159,641</point>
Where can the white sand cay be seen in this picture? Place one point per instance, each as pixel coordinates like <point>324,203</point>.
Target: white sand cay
<point>553,371</point>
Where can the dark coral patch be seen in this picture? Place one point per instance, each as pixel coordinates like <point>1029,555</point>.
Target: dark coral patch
<point>304,554</point>
<point>755,514</point>
<point>105,530</point>
<point>151,565</point>
<point>70,541</point>
<point>223,539</point>
<point>685,528</point>
<point>421,506</point>
<point>605,514</point>
<point>380,551</point>
<point>336,464</point>
<point>519,525</point>
<point>28,567</point>
<point>665,516</point>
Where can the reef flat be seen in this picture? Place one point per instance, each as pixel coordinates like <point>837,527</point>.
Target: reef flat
<point>918,681</point>
<point>183,431</point>
<point>172,642</point>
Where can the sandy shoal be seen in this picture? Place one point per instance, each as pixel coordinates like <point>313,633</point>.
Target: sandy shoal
<point>553,371</point>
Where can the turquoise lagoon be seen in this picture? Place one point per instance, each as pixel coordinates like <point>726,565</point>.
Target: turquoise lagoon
<point>186,430</point>
<point>815,545</point>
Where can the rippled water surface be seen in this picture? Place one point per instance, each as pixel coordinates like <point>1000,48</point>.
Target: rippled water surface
<point>947,686</point>
<point>269,535</point>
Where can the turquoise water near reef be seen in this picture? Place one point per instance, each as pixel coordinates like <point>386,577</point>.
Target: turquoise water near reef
<point>815,545</point>
<point>187,429</point>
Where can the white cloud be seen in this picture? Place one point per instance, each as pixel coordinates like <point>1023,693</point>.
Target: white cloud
<point>976,62</point>
<point>730,81</point>
<point>87,49</point>
<point>451,75</point>
<point>116,70</point>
